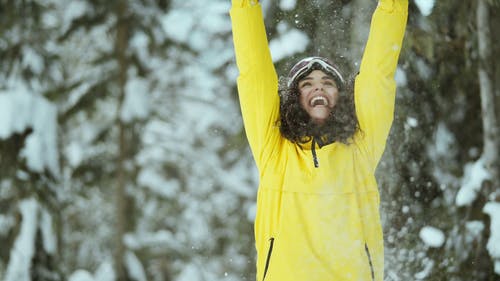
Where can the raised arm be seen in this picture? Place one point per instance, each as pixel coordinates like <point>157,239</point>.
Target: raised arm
<point>375,87</point>
<point>257,81</point>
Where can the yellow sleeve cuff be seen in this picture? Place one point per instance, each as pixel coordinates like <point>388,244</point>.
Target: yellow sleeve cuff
<point>393,5</point>
<point>244,3</point>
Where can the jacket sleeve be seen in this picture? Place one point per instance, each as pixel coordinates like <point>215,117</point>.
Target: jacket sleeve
<point>375,87</point>
<point>257,81</point>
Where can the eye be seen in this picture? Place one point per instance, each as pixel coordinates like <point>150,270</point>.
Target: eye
<point>305,84</point>
<point>330,83</point>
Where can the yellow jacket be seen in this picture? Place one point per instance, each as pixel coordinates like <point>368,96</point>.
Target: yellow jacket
<point>318,224</point>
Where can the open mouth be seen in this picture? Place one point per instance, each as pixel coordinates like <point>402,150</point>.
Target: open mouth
<point>318,101</point>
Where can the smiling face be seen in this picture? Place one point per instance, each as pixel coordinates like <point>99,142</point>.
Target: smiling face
<point>318,95</point>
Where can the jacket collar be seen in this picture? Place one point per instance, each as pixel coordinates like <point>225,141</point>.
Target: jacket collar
<point>316,142</point>
<point>319,142</point>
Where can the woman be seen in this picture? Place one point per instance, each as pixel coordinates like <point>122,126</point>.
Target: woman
<point>318,201</point>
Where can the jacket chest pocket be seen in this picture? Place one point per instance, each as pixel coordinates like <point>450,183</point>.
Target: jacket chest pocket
<point>370,263</point>
<point>268,258</point>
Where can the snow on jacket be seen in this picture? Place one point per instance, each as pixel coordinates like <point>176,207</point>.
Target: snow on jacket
<point>318,224</point>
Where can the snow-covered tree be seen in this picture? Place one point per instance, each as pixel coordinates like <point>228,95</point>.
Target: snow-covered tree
<point>123,156</point>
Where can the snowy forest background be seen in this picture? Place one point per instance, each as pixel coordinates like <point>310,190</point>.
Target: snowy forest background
<point>123,156</point>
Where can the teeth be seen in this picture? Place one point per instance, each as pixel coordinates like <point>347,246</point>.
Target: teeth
<point>318,100</point>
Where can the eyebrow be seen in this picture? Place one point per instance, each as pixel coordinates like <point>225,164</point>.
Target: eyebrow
<point>326,77</point>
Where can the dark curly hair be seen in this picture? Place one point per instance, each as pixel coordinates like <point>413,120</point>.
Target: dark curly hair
<point>296,125</point>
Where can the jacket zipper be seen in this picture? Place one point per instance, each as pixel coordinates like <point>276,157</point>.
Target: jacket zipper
<point>268,259</point>
<point>315,157</point>
<point>370,261</point>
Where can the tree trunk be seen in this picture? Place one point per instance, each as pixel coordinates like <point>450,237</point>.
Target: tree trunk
<point>485,73</point>
<point>120,196</point>
<point>487,93</point>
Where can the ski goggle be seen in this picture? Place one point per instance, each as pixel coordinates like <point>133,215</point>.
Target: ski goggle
<point>306,64</point>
